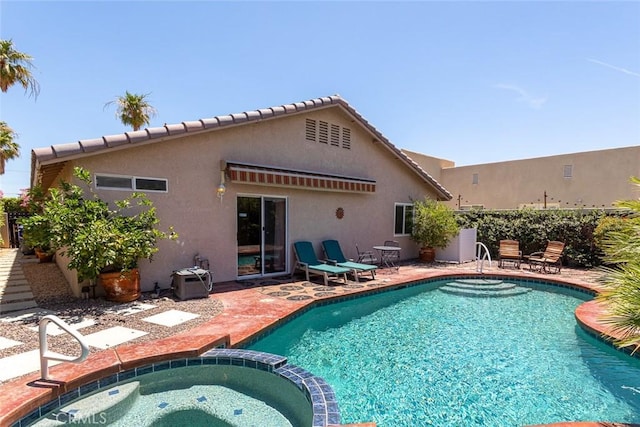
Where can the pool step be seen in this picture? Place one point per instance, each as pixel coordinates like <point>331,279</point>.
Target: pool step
<point>102,408</point>
<point>483,288</point>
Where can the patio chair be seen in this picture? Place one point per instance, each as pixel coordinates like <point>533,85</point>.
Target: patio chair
<point>509,251</point>
<point>334,254</point>
<point>309,263</point>
<point>366,257</point>
<point>549,261</point>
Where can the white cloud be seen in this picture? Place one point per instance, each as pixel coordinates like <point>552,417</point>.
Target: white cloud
<point>532,101</point>
<point>613,67</point>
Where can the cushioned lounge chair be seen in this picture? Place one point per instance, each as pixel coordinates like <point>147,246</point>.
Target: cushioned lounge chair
<point>309,263</point>
<point>334,254</point>
<point>509,251</point>
<point>549,261</point>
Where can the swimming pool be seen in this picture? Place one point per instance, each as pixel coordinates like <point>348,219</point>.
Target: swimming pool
<point>224,388</point>
<point>420,356</point>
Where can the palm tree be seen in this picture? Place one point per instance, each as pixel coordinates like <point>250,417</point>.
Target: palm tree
<point>133,110</point>
<point>15,67</point>
<point>9,149</point>
<point>622,279</point>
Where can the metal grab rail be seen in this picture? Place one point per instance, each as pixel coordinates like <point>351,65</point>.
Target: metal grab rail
<point>480,259</point>
<point>46,355</point>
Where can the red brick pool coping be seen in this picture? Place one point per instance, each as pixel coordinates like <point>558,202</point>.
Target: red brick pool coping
<point>247,312</point>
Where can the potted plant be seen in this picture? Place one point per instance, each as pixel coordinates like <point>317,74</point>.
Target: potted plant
<point>36,230</point>
<point>434,225</point>
<point>100,241</point>
<point>37,235</point>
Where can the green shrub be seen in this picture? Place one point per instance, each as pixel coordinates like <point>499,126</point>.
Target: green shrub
<point>533,228</point>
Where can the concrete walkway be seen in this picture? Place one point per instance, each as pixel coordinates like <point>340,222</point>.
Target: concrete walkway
<point>15,292</point>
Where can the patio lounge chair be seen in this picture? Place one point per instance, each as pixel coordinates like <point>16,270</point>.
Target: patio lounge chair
<point>549,261</point>
<point>308,262</point>
<point>509,251</point>
<point>334,254</point>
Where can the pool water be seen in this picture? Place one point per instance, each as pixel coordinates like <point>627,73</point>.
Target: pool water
<point>224,388</point>
<point>419,356</point>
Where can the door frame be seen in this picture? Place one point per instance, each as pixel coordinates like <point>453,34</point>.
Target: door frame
<point>262,198</point>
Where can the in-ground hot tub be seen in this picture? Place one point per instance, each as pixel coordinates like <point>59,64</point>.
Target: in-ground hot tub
<point>224,387</point>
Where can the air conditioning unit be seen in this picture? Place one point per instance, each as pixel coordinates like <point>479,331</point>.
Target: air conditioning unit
<point>190,283</point>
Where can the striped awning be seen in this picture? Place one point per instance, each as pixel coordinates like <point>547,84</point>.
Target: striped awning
<point>244,173</point>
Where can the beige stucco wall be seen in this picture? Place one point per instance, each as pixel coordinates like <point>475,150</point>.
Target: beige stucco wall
<point>207,225</point>
<point>4,231</point>
<point>599,178</point>
<point>432,165</point>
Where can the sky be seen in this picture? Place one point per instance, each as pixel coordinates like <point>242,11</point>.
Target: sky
<point>468,81</point>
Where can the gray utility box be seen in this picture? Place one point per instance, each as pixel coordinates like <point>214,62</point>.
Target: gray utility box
<point>191,283</point>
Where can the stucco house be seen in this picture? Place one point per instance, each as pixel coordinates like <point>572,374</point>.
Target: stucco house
<point>239,189</point>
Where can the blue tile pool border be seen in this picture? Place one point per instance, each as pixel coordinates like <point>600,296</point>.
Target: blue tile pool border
<point>319,394</point>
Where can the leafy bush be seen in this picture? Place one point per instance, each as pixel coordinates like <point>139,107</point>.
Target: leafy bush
<point>95,237</point>
<point>533,228</point>
<point>434,224</point>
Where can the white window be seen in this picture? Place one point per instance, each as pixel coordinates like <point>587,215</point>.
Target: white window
<point>403,219</point>
<point>475,179</point>
<point>568,171</point>
<point>134,183</point>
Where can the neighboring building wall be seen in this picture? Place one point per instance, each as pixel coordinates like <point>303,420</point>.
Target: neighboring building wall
<point>587,179</point>
<point>207,225</point>
<point>432,165</point>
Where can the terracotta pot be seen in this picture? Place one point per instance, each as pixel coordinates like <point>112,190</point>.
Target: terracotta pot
<point>427,254</point>
<point>121,286</point>
<point>43,256</point>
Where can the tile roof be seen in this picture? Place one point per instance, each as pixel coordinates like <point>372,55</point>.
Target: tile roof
<point>47,161</point>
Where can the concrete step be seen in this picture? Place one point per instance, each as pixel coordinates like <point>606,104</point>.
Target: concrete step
<point>4,282</point>
<point>479,281</point>
<point>479,286</point>
<point>16,306</point>
<point>104,407</point>
<point>484,293</point>
<point>12,289</point>
<point>13,297</point>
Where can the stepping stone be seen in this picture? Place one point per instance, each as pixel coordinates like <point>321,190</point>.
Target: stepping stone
<point>112,336</point>
<point>25,315</point>
<point>130,308</point>
<point>20,364</point>
<point>171,318</point>
<point>16,306</point>
<point>55,330</point>
<point>7,343</point>
<point>11,289</point>
<point>4,282</point>
<point>18,296</point>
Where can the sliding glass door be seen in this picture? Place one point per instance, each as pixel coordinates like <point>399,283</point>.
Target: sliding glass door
<point>262,236</point>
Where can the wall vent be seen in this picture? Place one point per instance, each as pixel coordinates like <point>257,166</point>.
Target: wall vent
<point>327,133</point>
<point>310,130</point>
<point>346,138</point>
<point>335,135</point>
